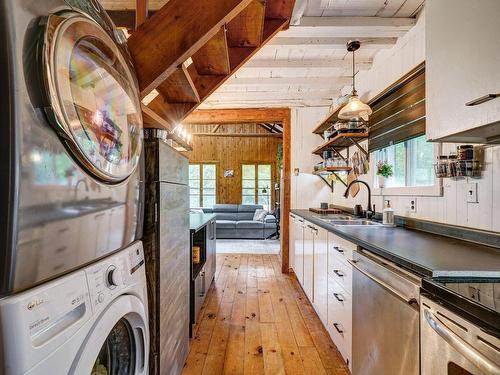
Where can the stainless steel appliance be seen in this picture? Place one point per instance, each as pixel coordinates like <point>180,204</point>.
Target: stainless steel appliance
<point>453,345</point>
<point>168,261</point>
<point>71,136</point>
<point>385,317</point>
<point>460,320</point>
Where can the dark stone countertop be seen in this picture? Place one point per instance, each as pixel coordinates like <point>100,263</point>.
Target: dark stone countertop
<point>199,220</point>
<point>425,253</point>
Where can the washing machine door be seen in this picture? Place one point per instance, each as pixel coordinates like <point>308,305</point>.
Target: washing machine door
<point>92,95</point>
<point>118,343</point>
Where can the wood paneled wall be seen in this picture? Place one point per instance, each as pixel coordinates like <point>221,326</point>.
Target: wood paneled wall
<point>231,152</point>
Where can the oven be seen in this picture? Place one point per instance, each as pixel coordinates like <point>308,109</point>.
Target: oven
<point>452,345</point>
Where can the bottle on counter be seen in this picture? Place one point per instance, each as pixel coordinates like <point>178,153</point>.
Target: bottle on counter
<point>388,214</point>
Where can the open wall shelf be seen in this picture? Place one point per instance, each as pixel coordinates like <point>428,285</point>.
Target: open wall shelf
<point>342,141</point>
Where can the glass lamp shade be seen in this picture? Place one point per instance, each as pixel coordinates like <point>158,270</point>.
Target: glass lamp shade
<point>355,109</point>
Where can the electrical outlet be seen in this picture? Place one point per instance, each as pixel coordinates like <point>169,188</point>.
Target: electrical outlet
<point>412,205</point>
<point>472,192</point>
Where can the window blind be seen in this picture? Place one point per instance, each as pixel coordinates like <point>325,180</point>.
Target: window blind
<point>399,111</point>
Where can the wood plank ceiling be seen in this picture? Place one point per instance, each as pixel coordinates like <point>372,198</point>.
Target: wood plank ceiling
<point>187,48</point>
<point>307,64</point>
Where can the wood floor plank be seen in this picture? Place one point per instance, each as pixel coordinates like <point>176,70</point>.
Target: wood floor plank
<point>256,320</point>
<point>254,357</point>
<point>311,361</point>
<point>266,312</point>
<point>273,359</point>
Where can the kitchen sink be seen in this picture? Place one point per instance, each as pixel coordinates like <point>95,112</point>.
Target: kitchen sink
<point>335,217</point>
<point>354,222</point>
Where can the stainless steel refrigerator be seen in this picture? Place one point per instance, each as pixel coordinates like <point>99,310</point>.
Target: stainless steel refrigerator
<point>166,246</point>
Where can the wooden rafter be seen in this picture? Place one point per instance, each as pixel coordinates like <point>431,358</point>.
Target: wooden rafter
<point>213,57</point>
<point>141,12</point>
<point>228,46</point>
<point>242,135</point>
<point>174,33</point>
<point>216,127</point>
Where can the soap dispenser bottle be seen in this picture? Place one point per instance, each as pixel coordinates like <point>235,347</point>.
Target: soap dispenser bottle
<point>388,214</point>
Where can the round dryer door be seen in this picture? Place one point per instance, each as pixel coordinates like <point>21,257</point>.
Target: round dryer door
<point>93,96</point>
<point>118,343</point>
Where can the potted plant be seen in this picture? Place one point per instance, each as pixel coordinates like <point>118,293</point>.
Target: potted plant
<point>384,170</point>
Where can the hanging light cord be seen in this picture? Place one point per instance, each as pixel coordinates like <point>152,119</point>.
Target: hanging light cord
<point>353,74</point>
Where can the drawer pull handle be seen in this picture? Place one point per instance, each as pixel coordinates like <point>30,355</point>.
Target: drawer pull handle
<point>63,230</point>
<point>338,249</point>
<point>482,99</point>
<point>336,295</point>
<point>336,325</point>
<point>60,250</point>
<point>338,273</point>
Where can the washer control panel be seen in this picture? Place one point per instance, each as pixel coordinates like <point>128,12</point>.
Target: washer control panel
<point>107,278</point>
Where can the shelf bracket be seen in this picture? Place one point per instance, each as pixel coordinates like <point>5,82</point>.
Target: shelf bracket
<point>339,179</point>
<point>355,143</point>
<point>330,184</point>
<point>339,154</point>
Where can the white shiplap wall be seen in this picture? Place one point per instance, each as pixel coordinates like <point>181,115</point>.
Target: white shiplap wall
<point>452,207</point>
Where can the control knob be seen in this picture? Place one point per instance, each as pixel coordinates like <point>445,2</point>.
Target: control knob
<point>112,277</point>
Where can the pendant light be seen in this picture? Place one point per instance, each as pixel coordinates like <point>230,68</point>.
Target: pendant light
<point>355,109</point>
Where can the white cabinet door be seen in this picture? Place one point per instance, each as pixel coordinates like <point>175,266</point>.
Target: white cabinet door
<point>298,266</point>
<point>308,284</point>
<point>321,273</point>
<point>462,64</point>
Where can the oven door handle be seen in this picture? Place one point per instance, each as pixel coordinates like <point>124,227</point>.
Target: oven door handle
<point>461,346</point>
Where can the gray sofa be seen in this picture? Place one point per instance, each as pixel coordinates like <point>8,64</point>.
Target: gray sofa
<point>236,221</point>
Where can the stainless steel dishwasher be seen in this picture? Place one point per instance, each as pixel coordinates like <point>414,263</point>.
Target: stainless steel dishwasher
<point>385,317</point>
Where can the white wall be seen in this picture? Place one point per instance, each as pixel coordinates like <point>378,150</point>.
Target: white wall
<point>307,190</point>
<point>452,207</point>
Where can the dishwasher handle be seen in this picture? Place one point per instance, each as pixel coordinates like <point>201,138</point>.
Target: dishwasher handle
<point>408,300</point>
<point>480,361</point>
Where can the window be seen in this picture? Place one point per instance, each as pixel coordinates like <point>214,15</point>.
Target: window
<point>202,185</point>
<point>412,163</point>
<point>256,184</point>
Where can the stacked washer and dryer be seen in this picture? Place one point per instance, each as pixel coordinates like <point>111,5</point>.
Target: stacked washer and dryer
<point>73,296</point>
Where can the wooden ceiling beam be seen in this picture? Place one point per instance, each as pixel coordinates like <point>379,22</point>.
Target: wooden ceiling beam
<point>247,28</point>
<point>213,57</point>
<point>237,116</point>
<point>174,33</point>
<point>280,9</point>
<point>309,43</point>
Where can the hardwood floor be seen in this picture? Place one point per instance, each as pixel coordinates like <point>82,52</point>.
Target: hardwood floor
<point>257,320</point>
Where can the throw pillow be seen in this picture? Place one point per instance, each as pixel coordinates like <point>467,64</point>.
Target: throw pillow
<point>259,215</point>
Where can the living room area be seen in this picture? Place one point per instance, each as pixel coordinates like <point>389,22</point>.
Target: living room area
<point>235,174</point>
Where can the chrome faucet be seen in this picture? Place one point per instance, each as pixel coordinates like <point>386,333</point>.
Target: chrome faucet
<point>76,187</point>
<point>369,213</point>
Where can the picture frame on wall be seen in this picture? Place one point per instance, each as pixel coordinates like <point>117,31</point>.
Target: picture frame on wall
<point>229,173</point>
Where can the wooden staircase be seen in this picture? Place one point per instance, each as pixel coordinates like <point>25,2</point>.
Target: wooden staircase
<point>188,48</point>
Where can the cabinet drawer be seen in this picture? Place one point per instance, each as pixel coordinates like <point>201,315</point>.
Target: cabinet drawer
<point>340,249</point>
<point>340,318</point>
<point>342,273</point>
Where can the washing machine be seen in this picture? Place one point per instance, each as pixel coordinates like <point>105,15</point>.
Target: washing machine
<point>92,321</point>
<point>71,177</point>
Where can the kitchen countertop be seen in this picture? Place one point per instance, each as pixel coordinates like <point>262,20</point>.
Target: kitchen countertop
<point>199,220</point>
<point>425,253</point>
